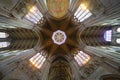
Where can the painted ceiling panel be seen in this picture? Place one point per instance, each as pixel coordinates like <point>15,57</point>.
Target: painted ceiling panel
<point>58,8</point>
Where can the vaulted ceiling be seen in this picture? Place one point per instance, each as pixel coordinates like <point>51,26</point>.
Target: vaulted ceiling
<point>36,21</point>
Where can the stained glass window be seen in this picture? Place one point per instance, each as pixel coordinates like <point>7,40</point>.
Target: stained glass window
<point>37,60</point>
<point>118,29</point>
<point>4,44</point>
<point>82,13</point>
<point>34,15</point>
<point>108,35</point>
<point>3,35</point>
<point>81,58</point>
<point>118,40</point>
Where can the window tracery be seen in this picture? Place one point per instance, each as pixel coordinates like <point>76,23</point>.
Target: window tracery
<point>118,29</point>
<point>38,60</point>
<point>3,35</point>
<point>81,58</point>
<point>108,35</point>
<point>82,13</point>
<point>118,40</point>
<point>4,44</point>
<point>59,37</point>
<point>34,15</point>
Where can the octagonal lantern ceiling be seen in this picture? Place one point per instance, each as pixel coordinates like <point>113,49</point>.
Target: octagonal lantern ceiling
<point>57,8</point>
<point>59,37</point>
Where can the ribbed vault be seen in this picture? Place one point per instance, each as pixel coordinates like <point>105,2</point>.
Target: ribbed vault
<point>78,19</point>
<point>60,70</point>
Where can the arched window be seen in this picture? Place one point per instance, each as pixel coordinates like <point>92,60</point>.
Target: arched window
<point>118,40</point>
<point>108,35</point>
<point>38,60</point>
<point>82,13</point>
<point>3,35</point>
<point>118,29</point>
<point>4,44</point>
<point>81,58</point>
<point>34,15</point>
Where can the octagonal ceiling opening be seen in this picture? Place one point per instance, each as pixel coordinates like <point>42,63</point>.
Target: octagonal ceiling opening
<point>59,37</point>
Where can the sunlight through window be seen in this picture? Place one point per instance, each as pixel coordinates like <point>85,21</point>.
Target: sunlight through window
<point>3,35</point>
<point>82,13</point>
<point>34,15</point>
<point>108,35</point>
<point>4,44</point>
<point>81,58</point>
<point>118,29</point>
<point>37,60</point>
<point>118,40</point>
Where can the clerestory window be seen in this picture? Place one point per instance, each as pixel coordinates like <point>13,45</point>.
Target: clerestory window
<point>82,58</point>
<point>82,13</point>
<point>3,35</point>
<point>118,40</point>
<point>38,60</point>
<point>108,35</point>
<point>118,29</point>
<point>4,44</point>
<point>34,15</point>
